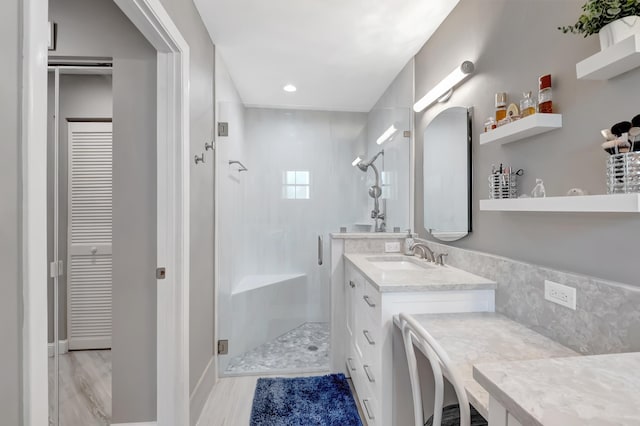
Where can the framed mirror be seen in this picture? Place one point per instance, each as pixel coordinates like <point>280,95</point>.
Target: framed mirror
<point>447,174</point>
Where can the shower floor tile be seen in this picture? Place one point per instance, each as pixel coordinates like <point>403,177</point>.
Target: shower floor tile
<point>303,348</point>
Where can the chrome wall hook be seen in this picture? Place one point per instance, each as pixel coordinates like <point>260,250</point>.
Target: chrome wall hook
<point>209,146</point>
<point>199,158</point>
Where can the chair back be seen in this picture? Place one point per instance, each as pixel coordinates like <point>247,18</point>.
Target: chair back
<point>415,336</point>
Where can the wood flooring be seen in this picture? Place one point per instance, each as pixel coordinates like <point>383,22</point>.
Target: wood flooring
<point>85,388</point>
<point>85,393</point>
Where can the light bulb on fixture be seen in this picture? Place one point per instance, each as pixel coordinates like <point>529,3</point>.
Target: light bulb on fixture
<point>290,88</point>
<point>442,89</point>
<point>356,161</point>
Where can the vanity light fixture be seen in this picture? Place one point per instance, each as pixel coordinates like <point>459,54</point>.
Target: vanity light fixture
<point>387,134</point>
<point>441,91</point>
<point>356,161</point>
<point>290,88</point>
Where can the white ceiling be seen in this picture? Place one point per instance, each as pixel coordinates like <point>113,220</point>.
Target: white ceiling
<point>341,54</point>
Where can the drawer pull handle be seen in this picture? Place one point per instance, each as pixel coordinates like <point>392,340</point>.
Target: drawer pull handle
<point>352,284</point>
<point>369,302</point>
<point>349,363</point>
<point>368,373</point>
<point>368,337</point>
<point>365,402</point>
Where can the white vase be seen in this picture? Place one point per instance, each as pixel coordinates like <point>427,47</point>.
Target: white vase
<point>618,30</point>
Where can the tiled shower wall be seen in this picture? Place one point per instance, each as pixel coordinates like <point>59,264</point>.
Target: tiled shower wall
<point>607,318</point>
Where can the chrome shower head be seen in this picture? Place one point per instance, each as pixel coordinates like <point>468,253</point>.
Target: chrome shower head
<point>364,166</point>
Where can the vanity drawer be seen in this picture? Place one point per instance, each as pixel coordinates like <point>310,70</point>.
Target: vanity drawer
<point>352,289</point>
<point>370,409</point>
<point>372,378</point>
<point>371,362</point>
<point>369,301</point>
<point>353,365</point>
<point>366,366</point>
<point>368,343</point>
<point>366,397</point>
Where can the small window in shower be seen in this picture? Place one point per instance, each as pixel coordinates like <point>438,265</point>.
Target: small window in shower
<point>295,185</point>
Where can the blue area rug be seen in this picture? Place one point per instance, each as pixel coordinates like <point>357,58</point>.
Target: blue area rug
<point>304,401</point>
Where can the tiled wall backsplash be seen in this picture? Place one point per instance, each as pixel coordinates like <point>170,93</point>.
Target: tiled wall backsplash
<point>607,318</point>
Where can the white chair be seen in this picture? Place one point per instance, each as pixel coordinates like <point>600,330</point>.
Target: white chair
<point>462,414</point>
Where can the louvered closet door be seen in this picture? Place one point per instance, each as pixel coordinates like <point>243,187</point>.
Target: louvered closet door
<point>90,229</point>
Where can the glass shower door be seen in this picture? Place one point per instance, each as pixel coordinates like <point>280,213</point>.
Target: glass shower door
<point>299,187</point>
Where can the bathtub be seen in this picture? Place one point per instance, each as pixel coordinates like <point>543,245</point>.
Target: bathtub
<point>264,307</point>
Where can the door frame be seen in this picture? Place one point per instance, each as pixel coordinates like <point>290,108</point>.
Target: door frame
<point>152,20</point>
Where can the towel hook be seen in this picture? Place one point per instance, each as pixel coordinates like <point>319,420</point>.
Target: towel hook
<point>199,158</point>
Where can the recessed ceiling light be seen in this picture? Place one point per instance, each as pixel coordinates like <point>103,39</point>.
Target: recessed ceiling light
<point>290,88</point>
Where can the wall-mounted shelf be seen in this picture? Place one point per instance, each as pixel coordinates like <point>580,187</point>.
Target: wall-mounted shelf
<point>612,61</point>
<point>526,127</point>
<point>616,203</point>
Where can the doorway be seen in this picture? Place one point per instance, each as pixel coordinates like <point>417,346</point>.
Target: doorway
<point>173,159</point>
<point>80,186</point>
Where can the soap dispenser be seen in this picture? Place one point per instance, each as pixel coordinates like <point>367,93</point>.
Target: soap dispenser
<point>408,242</point>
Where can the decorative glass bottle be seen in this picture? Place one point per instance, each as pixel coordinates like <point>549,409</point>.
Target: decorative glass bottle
<point>527,105</point>
<point>545,105</point>
<point>501,106</point>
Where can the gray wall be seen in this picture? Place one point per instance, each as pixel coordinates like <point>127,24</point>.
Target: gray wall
<point>81,97</point>
<point>98,28</point>
<point>10,291</point>
<point>201,300</point>
<point>513,43</point>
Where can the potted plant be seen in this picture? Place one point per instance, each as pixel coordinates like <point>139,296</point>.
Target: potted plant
<point>612,20</point>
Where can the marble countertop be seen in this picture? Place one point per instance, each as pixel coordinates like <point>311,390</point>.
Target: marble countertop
<point>368,235</point>
<point>599,390</point>
<point>483,337</point>
<point>432,278</point>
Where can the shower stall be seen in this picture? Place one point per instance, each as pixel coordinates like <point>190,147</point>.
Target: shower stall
<point>285,180</point>
<point>273,228</point>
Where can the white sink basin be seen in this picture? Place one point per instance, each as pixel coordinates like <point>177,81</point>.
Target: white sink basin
<point>398,264</point>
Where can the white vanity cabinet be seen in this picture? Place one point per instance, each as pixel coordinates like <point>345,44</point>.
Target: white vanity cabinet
<point>364,331</point>
<point>369,310</point>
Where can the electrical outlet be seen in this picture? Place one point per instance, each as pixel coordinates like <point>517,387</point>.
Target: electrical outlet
<point>560,294</point>
<point>392,247</point>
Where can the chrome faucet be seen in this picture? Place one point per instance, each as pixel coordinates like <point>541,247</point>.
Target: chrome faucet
<point>427,253</point>
<point>440,258</point>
